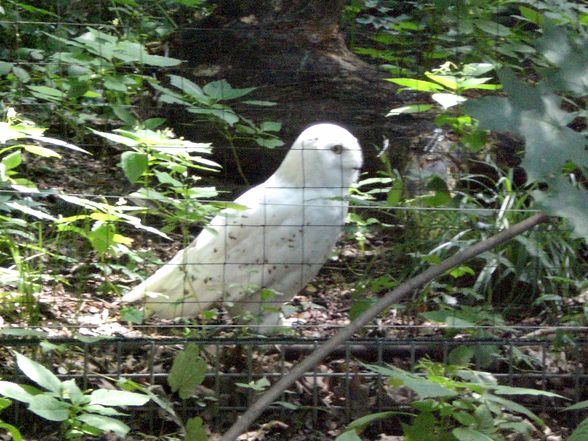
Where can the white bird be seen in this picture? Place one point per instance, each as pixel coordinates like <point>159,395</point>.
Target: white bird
<point>255,259</point>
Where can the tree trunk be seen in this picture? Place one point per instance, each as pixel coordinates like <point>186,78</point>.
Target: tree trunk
<point>295,52</point>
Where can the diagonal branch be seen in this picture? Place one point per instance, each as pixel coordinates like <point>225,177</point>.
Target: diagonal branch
<point>389,299</point>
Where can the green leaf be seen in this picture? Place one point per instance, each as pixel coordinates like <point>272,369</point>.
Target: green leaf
<point>448,100</point>
<point>133,315</point>
<point>537,115</point>
<point>478,83</point>
<point>15,391</point>
<point>134,165</point>
<point>28,210</point>
<point>289,406</point>
<point>492,28</point>
<point>568,201</point>
<point>77,88</point>
<point>395,193</point>
<point>413,108</point>
<point>166,178</point>
<point>195,430</point>
<point>463,418</point>
<point>532,15</point>
<point>349,435</point>
<point>21,74</point>
<point>260,103</point>
<point>461,355</point>
<point>115,83</point>
<point>12,160</point>
<point>422,428</point>
<point>102,237</point>
<point>361,305</point>
<point>47,92</point>
<point>477,69</point>
<point>71,391</point>
<point>360,423</point>
<point>581,432</point>
<point>57,142</point>
<point>105,424</point>
<point>271,126</point>
<point>123,114</point>
<point>467,434</point>
<point>38,373</point>
<point>461,271</point>
<point>49,408</point>
<point>34,10</point>
<point>20,332</point>
<point>131,52</point>
<point>494,113</point>
<point>423,387</point>
<point>578,406</point>
<point>150,195</point>
<point>269,143</point>
<point>187,372</point>
<point>102,410</point>
<point>515,407</point>
<point>5,67</point>
<point>509,390</point>
<point>41,151</point>
<point>225,115</point>
<point>222,90</point>
<point>449,82</point>
<point>16,436</point>
<point>117,398</point>
<point>549,148</point>
<point>570,58</point>
<point>189,88</point>
<point>478,377</point>
<point>259,385</point>
<point>153,123</point>
<point>4,403</point>
<point>418,85</point>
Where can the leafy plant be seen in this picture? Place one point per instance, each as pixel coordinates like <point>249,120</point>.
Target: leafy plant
<point>85,79</point>
<point>212,103</point>
<point>20,252</point>
<point>581,431</point>
<point>25,217</point>
<point>255,385</point>
<point>186,375</point>
<point>163,165</point>
<point>447,85</point>
<point>496,31</point>
<point>455,403</point>
<point>537,114</point>
<point>539,269</point>
<point>12,430</point>
<point>79,413</point>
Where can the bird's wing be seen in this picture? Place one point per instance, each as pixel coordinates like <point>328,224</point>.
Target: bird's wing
<point>226,258</point>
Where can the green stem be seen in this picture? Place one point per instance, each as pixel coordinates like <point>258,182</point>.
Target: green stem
<point>230,139</point>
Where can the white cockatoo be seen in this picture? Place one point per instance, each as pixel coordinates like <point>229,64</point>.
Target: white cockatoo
<point>254,259</point>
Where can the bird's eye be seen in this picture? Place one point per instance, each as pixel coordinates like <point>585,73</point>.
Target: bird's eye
<point>337,149</point>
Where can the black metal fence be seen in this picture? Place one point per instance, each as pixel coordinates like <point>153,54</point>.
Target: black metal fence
<point>339,389</point>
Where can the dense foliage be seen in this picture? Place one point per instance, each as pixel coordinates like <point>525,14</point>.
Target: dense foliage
<point>82,80</point>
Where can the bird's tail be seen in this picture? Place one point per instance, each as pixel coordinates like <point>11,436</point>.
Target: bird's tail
<point>161,292</point>
<point>162,282</point>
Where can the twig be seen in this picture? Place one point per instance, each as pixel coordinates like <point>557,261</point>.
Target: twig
<point>389,299</point>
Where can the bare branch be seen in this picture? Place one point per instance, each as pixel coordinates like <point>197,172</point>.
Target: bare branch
<point>389,299</point>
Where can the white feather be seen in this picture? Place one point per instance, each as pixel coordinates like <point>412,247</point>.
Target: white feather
<point>279,242</point>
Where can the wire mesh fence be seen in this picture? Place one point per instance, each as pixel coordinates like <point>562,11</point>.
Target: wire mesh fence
<point>339,390</point>
<point>538,279</point>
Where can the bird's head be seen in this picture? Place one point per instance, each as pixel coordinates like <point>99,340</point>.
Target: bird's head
<point>323,155</point>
